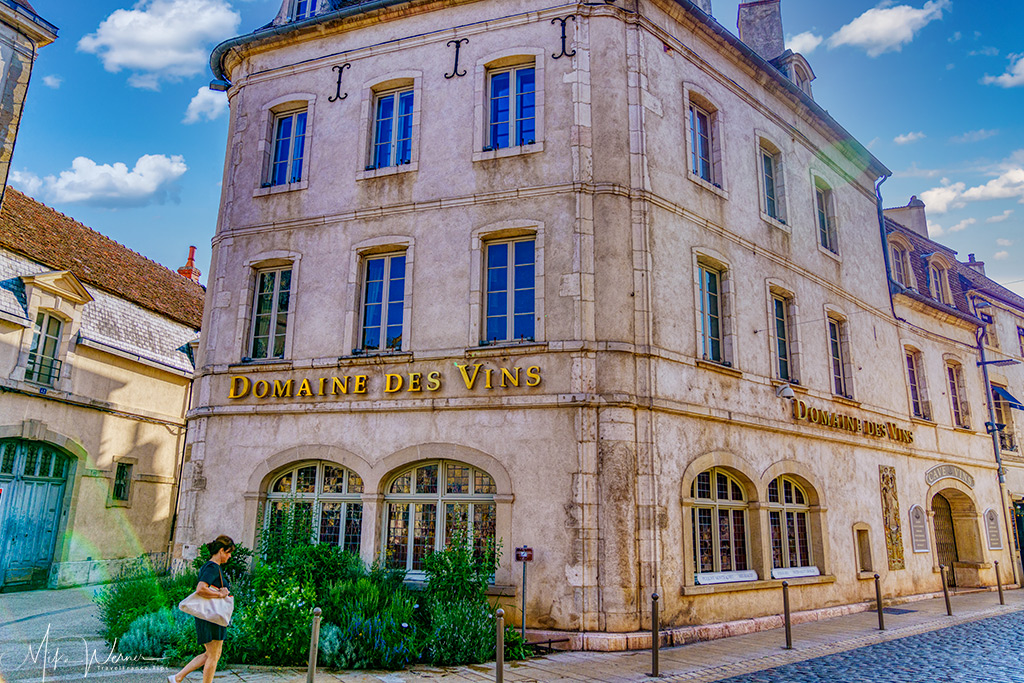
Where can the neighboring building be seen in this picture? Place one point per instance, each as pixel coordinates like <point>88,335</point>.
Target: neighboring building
<point>22,32</point>
<point>934,301</point>
<point>95,372</point>
<point>557,288</point>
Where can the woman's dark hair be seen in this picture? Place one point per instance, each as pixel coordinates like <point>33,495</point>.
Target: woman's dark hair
<point>219,543</point>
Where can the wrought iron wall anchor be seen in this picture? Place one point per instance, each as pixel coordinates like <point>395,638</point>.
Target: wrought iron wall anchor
<point>564,20</point>
<point>340,68</point>
<point>458,47</point>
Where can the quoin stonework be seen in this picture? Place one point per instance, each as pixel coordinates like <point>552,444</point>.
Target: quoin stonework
<point>601,279</point>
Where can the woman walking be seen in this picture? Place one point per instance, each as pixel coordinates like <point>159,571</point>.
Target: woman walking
<point>212,584</point>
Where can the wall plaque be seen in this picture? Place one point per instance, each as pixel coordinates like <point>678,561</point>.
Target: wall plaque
<point>794,572</point>
<point>919,530</point>
<point>706,578</point>
<point>948,472</point>
<point>891,517</point>
<point>995,539</point>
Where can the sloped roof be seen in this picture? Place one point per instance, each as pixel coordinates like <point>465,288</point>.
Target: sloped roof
<point>49,237</point>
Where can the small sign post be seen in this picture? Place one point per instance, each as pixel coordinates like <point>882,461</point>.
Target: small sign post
<point>524,555</point>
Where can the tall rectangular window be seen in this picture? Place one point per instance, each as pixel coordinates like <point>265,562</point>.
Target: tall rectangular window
<point>512,107</point>
<point>383,303</point>
<point>780,307</point>
<point>826,222</point>
<point>1004,416</point>
<point>915,380</point>
<point>270,314</point>
<point>710,313</point>
<point>392,129</point>
<point>937,276</point>
<point>899,266</point>
<point>510,297</point>
<point>700,143</point>
<point>838,355</point>
<point>769,170</point>
<point>1020,339</point>
<point>304,9</point>
<point>957,396</point>
<point>289,148</point>
<point>122,481</point>
<point>43,366</point>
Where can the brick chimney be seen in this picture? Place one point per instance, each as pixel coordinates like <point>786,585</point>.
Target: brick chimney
<point>976,266</point>
<point>910,216</point>
<point>760,26</point>
<point>189,270</point>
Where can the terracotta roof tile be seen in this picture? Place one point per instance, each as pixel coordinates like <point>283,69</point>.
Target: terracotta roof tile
<point>51,238</point>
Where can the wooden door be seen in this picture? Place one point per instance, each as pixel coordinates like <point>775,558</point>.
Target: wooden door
<point>945,538</point>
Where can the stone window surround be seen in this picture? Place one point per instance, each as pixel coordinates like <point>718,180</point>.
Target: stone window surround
<point>269,260</point>
<point>865,570</point>
<point>694,94</point>
<point>776,288</point>
<point>518,56</point>
<point>265,145</point>
<point>501,231</point>
<point>834,313</point>
<point>703,256</point>
<point>388,82</point>
<point>767,143</point>
<point>910,349</point>
<point>387,244</point>
<point>781,506</point>
<point>755,489</point>
<point>43,300</point>
<point>940,291</point>
<point>132,482</point>
<point>897,241</point>
<point>953,361</point>
<point>820,181</point>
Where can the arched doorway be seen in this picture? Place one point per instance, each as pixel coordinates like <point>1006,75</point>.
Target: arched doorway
<point>32,483</point>
<point>945,535</point>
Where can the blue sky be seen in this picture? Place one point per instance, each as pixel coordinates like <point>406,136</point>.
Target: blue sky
<point>120,133</point>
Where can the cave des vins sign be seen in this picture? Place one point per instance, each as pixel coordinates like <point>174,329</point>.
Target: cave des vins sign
<point>802,412</point>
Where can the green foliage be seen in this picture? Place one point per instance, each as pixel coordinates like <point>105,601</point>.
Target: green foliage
<point>139,590</point>
<point>234,570</point>
<point>459,573</point>
<point>461,632</point>
<point>321,565</point>
<point>374,631</point>
<point>156,634</point>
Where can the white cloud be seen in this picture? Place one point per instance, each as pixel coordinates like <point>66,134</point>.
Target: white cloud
<point>111,185</point>
<point>963,225</point>
<point>942,199</point>
<point>161,39</point>
<point>975,135</point>
<point>907,138</point>
<point>874,141</point>
<point>956,37</point>
<point>207,104</point>
<point>935,230</point>
<point>1004,242</point>
<point>886,29</point>
<point>52,81</point>
<point>27,182</point>
<point>988,51</point>
<point>1013,77</point>
<point>804,43</point>
<point>1000,218</point>
<point>1008,185</point>
<point>1001,255</point>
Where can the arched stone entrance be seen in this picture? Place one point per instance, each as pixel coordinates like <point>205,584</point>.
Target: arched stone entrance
<point>957,537</point>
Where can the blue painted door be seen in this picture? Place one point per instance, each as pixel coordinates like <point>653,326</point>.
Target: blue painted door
<point>32,483</point>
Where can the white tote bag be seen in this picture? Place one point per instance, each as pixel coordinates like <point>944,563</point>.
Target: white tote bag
<point>215,610</point>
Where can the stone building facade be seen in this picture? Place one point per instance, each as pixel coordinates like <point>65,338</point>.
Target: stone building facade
<point>95,372</point>
<point>600,279</point>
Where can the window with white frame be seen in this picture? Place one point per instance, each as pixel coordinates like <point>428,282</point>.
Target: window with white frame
<point>824,207</point>
<point>839,356</point>
<point>991,333</point>
<point>320,499</point>
<point>701,161</point>
<point>958,396</point>
<point>782,332</point>
<point>919,405</point>
<point>510,296</point>
<point>900,265</point>
<point>1004,416</point>
<point>270,313</point>
<point>938,283</point>
<point>43,364</point>
<point>789,521</point>
<point>383,302</point>
<point>511,107</point>
<point>430,504</point>
<point>289,148</point>
<point>710,281</point>
<point>303,9</point>
<point>719,523</point>
<point>392,128</point>
<point>772,182</point>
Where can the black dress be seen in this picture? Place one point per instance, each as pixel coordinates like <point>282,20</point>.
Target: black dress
<point>206,631</point>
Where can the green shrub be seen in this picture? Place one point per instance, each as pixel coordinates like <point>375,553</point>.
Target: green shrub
<point>273,627</point>
<point>321,565</point>
<point>234,570</point>
<point>153,635</point>
<point>372,639</point>
<point>459,573</point>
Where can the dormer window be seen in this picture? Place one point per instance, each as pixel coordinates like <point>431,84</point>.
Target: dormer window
<point>43,365</point>
<point>900,266</point>
<point>939,284</point>
<point>303,9</point>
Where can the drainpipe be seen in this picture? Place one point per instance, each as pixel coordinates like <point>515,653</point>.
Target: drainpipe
<point>885,239</point>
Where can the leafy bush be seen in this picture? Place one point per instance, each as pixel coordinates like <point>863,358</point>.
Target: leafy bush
<point>234,570</point>
<point>136,591</point>
<point>274,626</point>
<point>459,573</point>
<point>372,637</point>
<point>321,565</point>
<point>153,635</point>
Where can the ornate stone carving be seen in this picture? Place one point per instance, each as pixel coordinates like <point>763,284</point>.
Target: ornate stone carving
<point>891,517</point>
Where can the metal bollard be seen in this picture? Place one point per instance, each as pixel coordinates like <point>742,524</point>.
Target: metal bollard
<point>999,584</point>
<point>499,653</point>
<point>878,601</point>
<point>314,646</point>
<point>785,609</point>
<point>655,636</point>
<point>945,590</point>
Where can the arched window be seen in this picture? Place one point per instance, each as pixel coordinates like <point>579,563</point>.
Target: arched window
<point>428,502</point>
<point>719,523</point>
<point>323,496</point>
<point>789,520</point>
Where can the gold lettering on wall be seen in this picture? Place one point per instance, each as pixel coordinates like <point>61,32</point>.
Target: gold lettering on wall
<point>802,412</point>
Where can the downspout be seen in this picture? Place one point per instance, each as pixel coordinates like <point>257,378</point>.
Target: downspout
<point>885,240</point>
<point>179,469</point>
